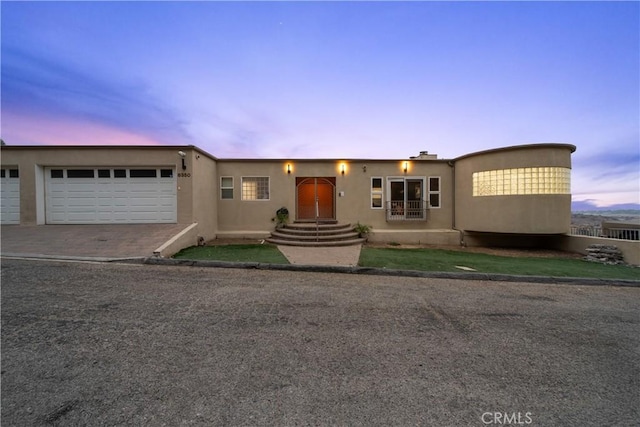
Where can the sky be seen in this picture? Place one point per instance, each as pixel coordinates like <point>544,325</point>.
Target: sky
<point>332,80</point>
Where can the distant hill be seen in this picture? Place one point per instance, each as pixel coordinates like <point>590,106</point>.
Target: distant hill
<point>624,208</point>
<point>585,213</point>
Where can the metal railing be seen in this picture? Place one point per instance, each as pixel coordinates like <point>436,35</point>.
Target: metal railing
<point>608,232</point>
<point>586,230</point>
<point>412,210</point>
<point>622,233</point>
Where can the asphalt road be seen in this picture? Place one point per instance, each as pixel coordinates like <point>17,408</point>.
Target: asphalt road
<point>109,344</point>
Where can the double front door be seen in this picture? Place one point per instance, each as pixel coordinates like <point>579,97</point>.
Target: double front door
<point>315,198</point>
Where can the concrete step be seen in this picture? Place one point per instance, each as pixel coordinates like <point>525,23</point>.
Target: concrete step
<point>313,232</point>
<point>313,236</point>
<point>350,242</point>
<point>313,221</point>
<point>313,226</point>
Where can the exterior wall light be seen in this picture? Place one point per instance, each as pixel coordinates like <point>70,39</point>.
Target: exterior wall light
<point>289,168</point>
<point>406,167</point>
<point>343,168</point>
<point>364,168</point>
<point>183,155</point>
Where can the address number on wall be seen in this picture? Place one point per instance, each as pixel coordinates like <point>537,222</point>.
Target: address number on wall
<point>184,175</point>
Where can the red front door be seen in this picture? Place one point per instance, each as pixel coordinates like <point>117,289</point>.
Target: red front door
<point>315,198</point>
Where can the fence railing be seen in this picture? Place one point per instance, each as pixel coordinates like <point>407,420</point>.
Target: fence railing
<point>608,232</point>
<point>412,210</point>
<point>586,230</point>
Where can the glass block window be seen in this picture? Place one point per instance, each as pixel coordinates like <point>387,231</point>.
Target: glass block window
<point>521,181</point>
<point>226,187</point>
<point>255,188</point>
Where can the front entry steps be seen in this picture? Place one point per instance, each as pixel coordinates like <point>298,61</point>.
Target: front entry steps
<point>314,235</point>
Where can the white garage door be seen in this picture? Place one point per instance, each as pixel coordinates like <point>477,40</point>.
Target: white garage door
<point>9,196</point>
<point>110,195</point>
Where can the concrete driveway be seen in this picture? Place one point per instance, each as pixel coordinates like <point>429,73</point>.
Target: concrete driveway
<point>95,241</point>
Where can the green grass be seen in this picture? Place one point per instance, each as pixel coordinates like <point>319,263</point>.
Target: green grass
<point>235,253</point>
<point>428,260</point>
<point>446,260</point>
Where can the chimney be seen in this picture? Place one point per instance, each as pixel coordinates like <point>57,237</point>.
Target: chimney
<point>424,155</point>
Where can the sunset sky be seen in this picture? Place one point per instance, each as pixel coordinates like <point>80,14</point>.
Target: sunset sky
<point>332,79</point>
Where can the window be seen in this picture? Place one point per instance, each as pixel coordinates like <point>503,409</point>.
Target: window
<point>406,199</point>
<point>119,173</point>
<point>143,173</point>
<point>80,173</point>
<point>520,181</point>
<point>104,173</point>
<point>376,193</point>
<point>255,188</point>
<point>13,173</point>
<point>57,173</point>
<point>226,187</point>
<point>434,191</point>
<point>166,173</point>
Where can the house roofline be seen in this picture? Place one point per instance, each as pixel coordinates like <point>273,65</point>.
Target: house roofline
<point>517,147</point>
<point>282,159</point>
<point>109,147</point>
<point>324,159</point>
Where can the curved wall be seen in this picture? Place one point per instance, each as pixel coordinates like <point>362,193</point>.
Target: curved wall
<point>522,189</point>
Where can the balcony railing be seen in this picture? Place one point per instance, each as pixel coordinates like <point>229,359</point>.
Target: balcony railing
<point>586,230</point>
<point>412,210</point>
<point>609,232</point>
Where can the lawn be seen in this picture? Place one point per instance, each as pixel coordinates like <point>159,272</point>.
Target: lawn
<point>428,260</point>
<point>268,254</point>
<point>447,260</point>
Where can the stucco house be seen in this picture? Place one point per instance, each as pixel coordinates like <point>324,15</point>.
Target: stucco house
<point>491,196</point>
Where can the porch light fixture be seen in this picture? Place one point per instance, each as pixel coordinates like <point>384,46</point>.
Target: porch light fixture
<point>406,167</point>
<point>183,155</point>
<point>364,168</point>
<point>343,167</point>
<point>289,168</point>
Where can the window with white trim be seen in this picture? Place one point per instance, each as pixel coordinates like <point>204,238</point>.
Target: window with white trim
<point>255,188</point>
<point>226,187</point>
<point>434,192</point>
<point>406,198</point>
<point>376,193</point>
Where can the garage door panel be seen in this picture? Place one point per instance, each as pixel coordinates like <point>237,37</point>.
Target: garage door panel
<point>9,198</point>
<point>82,218</point>
<point>110,200</point>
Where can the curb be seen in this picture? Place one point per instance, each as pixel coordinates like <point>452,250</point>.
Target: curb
<point>392,272</point>
<point>129,260</point>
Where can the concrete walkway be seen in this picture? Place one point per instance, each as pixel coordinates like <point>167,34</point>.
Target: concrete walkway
<point>339,255</point>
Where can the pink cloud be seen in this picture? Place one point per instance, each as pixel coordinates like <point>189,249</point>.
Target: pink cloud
<point>18,129</point>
